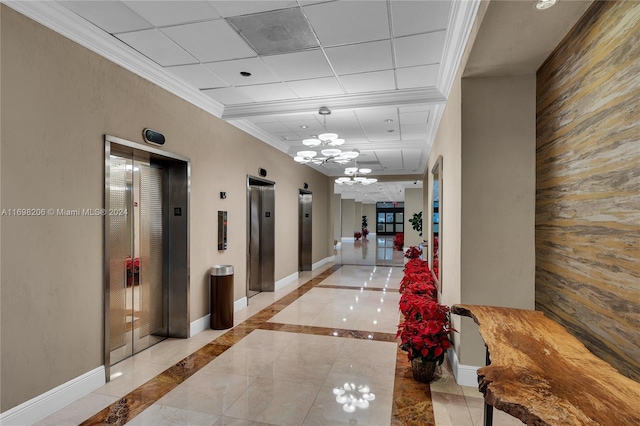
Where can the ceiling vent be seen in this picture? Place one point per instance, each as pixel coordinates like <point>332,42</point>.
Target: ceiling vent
<point>278,31</point>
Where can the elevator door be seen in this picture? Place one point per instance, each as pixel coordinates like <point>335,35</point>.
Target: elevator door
<point>305,218</point>
<point>135,225</point>
<point>261,236</point>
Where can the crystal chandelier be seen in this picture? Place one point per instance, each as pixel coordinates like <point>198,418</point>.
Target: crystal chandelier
<point>328,142</point>
<point>354,176</point>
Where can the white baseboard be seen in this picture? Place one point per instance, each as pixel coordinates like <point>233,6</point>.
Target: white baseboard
<point>466,375</point>
<point>286,280</point>
<point>200,325</point>
<point>322,262</point>
<point>240,304</point>
<point>49,402</point>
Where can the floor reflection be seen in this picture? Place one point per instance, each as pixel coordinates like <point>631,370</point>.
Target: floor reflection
<point>374,250</point>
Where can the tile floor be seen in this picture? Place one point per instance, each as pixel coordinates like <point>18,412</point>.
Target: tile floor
<point>282,361</point>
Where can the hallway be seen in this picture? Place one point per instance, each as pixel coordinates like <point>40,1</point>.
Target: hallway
<point>287,354</point>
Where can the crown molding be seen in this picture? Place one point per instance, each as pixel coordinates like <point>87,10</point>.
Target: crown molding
<point>461,21</point>
<point>257,132</point>
<point>63,21</point>
<point>335,103</point>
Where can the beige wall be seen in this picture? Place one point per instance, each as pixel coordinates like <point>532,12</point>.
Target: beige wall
<point>447,144</point>
<point>412,204</point>
<point>336,208</point>
<point>369,210</point>
<point>348,211</point>
<point>498,198</point>
<point>58,101</point>
<point>357,216</point>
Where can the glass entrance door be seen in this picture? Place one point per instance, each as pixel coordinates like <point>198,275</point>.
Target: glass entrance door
<point>390,221</point>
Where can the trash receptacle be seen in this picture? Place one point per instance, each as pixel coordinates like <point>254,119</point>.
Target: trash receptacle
<point>221,297</point>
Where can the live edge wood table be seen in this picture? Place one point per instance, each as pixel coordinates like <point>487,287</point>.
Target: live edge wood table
<point>542,375</point>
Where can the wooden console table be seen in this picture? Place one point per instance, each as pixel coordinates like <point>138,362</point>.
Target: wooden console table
<point>542,375</point>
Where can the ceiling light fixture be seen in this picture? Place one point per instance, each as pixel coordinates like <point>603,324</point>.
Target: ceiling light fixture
<point>545,4</point>
<point>328,142</point>
<point>354,176</point>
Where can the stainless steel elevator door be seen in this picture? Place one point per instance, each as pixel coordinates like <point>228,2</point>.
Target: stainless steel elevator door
<point>305,218</point>
<point>261,236</point>
<point>255,255</point>
<point>134,224</point>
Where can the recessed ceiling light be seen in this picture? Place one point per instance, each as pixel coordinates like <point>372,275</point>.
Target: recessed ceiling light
<point>304,126</point>
<point>388,120</point>
<point>245,73</point>
<point>545,4</point>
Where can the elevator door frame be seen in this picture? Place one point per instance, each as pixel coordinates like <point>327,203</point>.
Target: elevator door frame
<point>178,275</point>
<point>267,236</point>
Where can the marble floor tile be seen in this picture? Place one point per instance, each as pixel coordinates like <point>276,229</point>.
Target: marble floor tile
<point>76,412</point>
<point>327,411</point>
<point>280,402</point>
<point>162,415</point>
<point>208,392</point>
<point>282,359</point>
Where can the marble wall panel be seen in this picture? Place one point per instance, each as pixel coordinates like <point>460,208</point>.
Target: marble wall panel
<point>588,184</point>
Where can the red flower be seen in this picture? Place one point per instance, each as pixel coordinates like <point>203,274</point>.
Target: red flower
<point>413,253</point>
<point>424,333</point>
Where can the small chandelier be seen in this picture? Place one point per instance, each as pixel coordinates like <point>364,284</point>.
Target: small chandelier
<point>329,142</point>
<point>354,177</point>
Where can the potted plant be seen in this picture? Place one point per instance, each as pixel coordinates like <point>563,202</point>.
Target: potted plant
<point>416,222</point>
<point>357,235</point>
<point>365,231</point>
<point>424,331</point>
<point>424,334</point>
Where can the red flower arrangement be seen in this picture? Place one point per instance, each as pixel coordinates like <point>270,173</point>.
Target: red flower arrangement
<point>424,333</point>
<point>398,241</point>
<point>357,235</point>
<point>413,253</point>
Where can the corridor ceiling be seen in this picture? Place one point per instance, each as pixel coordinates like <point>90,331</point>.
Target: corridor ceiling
<point>383,67</point>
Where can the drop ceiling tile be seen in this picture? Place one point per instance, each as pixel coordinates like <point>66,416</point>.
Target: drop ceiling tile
<point>415,17</point>
<point>245,7</point>
<point>344,22</point>
<point>111,16</point>
<point>413,117</point>
<point>414,131</point>
<point>228,96</point>
<point>274,127</point>
<point>210,41</point>
<point>316,87</point>
<point>165,13</point>
<point>390,159</point>
<point>361,57</point>
<point>303,118</point>
<point>230,72</point>
<point>377,115</point>
<point>198,75</point>
<point>299,65</point>
<point>420,49</point>
<point>157,47</point>
<point>411,159</point>
<point>369,82</point>
<point>424,76</point>
<point>268,92</point>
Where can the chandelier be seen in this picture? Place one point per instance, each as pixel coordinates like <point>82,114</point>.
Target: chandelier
<point>328,142</point>
<point>354,176</point>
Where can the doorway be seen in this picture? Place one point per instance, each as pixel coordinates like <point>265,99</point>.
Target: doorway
<point>305,230</point>
<point>260,236</point>
<point>146,248</point>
